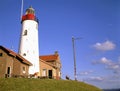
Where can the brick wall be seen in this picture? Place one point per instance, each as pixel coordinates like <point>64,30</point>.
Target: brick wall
<point>11,66</point>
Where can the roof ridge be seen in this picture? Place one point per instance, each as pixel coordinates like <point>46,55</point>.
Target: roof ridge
<point>10,52</point>
<point>48,63</point>
<point>49,55</point>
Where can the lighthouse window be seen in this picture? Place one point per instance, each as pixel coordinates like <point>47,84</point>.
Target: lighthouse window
<point>25,32</point>
<point>24,54</point>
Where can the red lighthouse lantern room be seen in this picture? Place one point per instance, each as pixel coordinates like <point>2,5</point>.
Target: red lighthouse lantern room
<point>29,15</point>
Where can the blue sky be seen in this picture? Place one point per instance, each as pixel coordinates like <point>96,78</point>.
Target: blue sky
<point>96,21</point>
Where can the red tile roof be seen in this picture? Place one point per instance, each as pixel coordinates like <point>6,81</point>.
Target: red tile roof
<point>49,57</point>
<point>10,52</point>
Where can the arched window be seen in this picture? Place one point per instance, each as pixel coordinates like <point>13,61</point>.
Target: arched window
<point>24,54</point>
<point>25,32</point>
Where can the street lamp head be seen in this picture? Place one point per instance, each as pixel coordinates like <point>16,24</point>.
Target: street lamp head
<point>76,38</point>
<point>72,37</point>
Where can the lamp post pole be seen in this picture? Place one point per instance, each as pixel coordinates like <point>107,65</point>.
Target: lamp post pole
<point>74,57</point>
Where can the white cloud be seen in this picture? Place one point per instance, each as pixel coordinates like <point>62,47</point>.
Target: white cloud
<point>86,72</point>
<point>105,46</point>
<point>97,78</point>
<point>109,64</point>
<point>106,81</point>
<point>103,60</point>
<point>94,79</point>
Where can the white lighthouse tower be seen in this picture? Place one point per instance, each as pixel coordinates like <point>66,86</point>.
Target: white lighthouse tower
<point>29,46</point>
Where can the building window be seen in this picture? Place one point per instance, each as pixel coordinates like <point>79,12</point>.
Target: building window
<point>24,70</point>
<point>1,54</point>
<point>25,32</point>
<point>44,72</point>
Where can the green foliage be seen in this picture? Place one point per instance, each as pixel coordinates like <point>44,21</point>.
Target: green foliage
<point>22,84</point>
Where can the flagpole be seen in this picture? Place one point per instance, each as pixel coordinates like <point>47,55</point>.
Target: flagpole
<point>21,10</point>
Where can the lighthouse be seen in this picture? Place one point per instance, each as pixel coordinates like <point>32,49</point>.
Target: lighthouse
<point>29,46</point>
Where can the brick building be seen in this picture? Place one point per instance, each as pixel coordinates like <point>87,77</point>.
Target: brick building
<point>50,66</point>
<point>14,65</point>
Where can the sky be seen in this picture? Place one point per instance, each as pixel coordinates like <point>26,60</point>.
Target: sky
<point>95,22</point>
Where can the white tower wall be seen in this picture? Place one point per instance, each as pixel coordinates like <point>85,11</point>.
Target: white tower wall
<point>29,46</point>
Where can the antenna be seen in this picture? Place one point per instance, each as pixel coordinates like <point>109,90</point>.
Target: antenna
<point>21,10</point>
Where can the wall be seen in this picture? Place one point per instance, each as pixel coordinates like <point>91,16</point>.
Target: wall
<point>55,71</point>
<point>11,66</point>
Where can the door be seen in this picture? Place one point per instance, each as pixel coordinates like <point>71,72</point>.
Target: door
<point>8,72</point>
<point>50,74</point>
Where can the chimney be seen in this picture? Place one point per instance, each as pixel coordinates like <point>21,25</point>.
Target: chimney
<point>56,52</point>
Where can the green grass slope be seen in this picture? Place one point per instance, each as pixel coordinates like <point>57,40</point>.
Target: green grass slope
<point>21,84</point>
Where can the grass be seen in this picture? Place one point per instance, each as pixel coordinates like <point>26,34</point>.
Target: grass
<point>22,84</point>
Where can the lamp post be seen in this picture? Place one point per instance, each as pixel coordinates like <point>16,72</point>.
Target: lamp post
<point>74,56</point>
